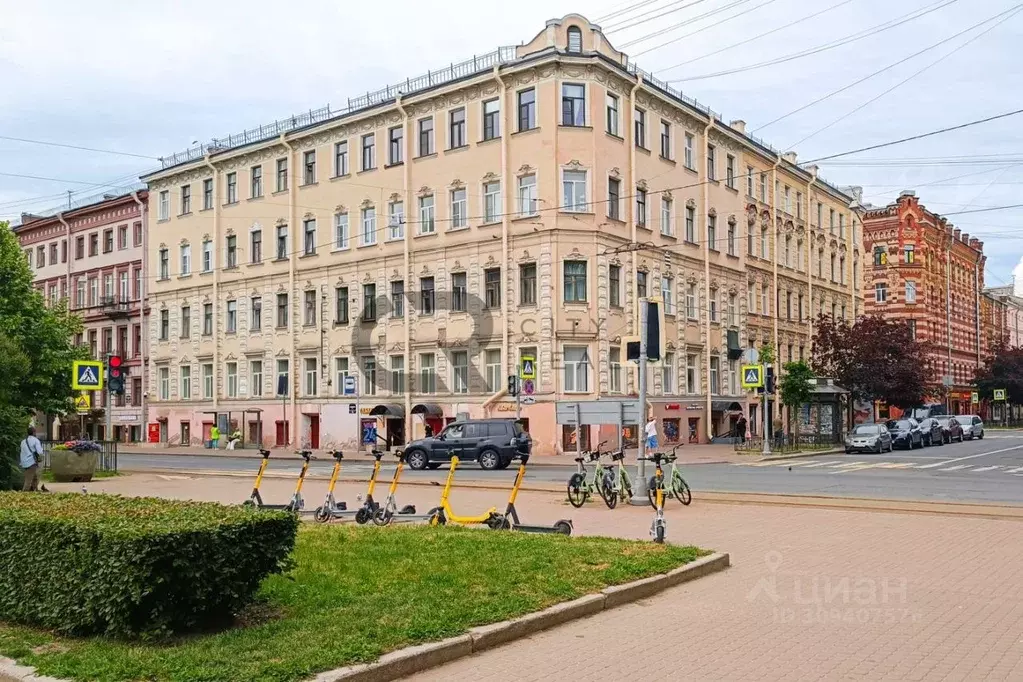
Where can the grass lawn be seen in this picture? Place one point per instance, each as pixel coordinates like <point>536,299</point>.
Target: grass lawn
<point>359,592</point>
<point>47,476</point>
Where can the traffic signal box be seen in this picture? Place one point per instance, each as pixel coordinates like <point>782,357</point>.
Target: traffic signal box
<point>115,374</point>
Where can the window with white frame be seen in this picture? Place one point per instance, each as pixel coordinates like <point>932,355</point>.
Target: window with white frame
<point>342,370</point>
<point>749,181</point>
<point>641,209</point>
<point>460,371</point>
<point>881,292</point>
<point>713,305</point>
<point>612,107</point>
<point>341,158</point>
<point>310,374</point>
<point>751,299</point>
<point>715,375</point>
<point>731,243</point>
<point>690,224</point>
<point>369,375</point>
<point>614,198</point>
<point>397,363</point>
<point>459,208</point>
<point>491,202</point>
<point>910,291</point>
<point>615,369</point>
<point>427,224</point>
<point>763,242</point>
<point>163,376</point>
<point>309,237</point>
<point>527,195</point>
<point>574,191</point>
<point>232,379</point>
<point>369,225</point>
<point>341,233</point>
<point>691,302</point>
<point>733,312</point>
<point>575,281</point>
<point>667,228</point>
<point>692,374</point>
<point>577,369</point>
<point>207,255</point>
<point>163,206</point>
<point>573,104</point>
<point>492,360</point>
<point>665,140</point>
<point>185,373</point>
<point>396,220</point>
<point>688,151</point>
<point>427,373</point>
<point>186,259</point>
<point>668,374</point>
<point>668,295</point>
<point>256,378</point>
<point>282,242</point>
<point>712,232</point>
<point>207,381</point>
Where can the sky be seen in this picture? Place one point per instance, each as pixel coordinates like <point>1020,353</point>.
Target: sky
<point>150,79</point>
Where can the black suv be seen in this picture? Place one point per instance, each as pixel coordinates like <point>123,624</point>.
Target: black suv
<point>491,442</point>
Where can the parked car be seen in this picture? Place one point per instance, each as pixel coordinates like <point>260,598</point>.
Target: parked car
<point>951,429</point>
<point>973,426</point>
<point>905,433</point>
<point>491,442</point>
<point>931,431</point>
<point>868,438</point>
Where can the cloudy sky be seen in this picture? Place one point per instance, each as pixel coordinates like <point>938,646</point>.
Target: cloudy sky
<point>150,78</point>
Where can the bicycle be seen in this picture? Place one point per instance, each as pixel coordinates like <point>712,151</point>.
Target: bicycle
<point>580,489</point>
<point>678,488</point>
<point>659,526</point>
<point>617,485</point>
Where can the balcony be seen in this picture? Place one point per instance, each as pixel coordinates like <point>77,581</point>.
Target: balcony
<point>115,307</point>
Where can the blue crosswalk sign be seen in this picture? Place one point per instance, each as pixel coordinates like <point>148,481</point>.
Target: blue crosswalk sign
<point>87,375</point>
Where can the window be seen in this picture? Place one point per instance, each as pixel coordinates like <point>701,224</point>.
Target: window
<point>207,319</point>
<point>309,308</point>
<point>749,184</point>
<point>122,288</point>
<point>395,145</point>
<point>427,373</point>
<point>832,220</point>
<point>282,311</point>
<point>207,381</point>
<point>712,232</point>
<point>527,284</point>
<point>232,251</point>
<point>668,374</point>
<point>799,204</point>
<point>369,226</point>
<point>665,140</point>
<point>341,234</point>
<point>730,171</point>
<point>41,254</point>
<point>881,292</point>
<point>459,209</point>
<point>575,39</point>
<point>575,281</point>
<point>614,191</point>
<point>459,292</point>
<point>668,295</point>
<point>614,356</point>
<point>577,374</point>
<point>426,215</point>
<point>492,363</point>
<point>802,314</point>
<point>820,263</point>
<point>427,298</point>
<point>639,124</point>
<point>841,226</point>
<point>715,372</point>
<point>122,243</point>
<point>396,220</point>
<point>341,371</point>
<point>108,287</point>
<point>163,206</point>
<point>426,136</point>
<point>398,298</point>
<point>574,190</point>
<point>841,269</point>
<point>788,305</point>
<point>614,276</point>
<point>688,152</point>
<point>186,382</point>
<point>527,195</point>
<point>164,264</point>
<point>231,323</point>
<point>573,104</point>
<point>460,371</point>
<point>369,302</point>
<point>731,239</point>
<point>527,109</point>
<point>232,379</point>
<point>834,269</point>
<point>457,134</point>
<point>612,103</point>
<point>691,302</point>
<point>232,188</point>
<point>666,227</point>
<point>369,159</point>
<point>881,256</point>
<point>397,363</point>
<point>63,250</point>
<point>164,327</point>
<point>690,224</point>
<point>163,375</point>
<point>311,382</point>
<point>750,241</point>
<point>341,305</point>
<point>910,292</point>
<point>186,259</point>
<point>713,305</point>
<point>641,288</point>
<point>492,287</point>
<point>341,158</point>
<point>282,175</point>
<point>283,376</point>
<point>788,199</point>
<point>256,246</point>
<point>93,292</point>
<point>186,322</point>
<point>908,254</point>
<point>282,242</point>
<point>692,374</point>
<point>491,202</point>
<point>763,187</point>
<point>912,328</point>
<point>491,119</point>
<point>207,194</point>
<point>256,181</point>
<point>711,162</point>
<point>641,207</point>
<point>788,251</point>
<point>764,300</point>
<point>207,255</point>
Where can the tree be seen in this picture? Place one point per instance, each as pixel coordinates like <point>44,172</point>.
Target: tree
<point>873,359</point>
<point>1003,368</point>
<point>36,353</point>
<point>796,387</point>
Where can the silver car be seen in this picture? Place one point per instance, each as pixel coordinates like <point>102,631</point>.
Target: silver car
<point>868,438</point>
<point>973,426</point>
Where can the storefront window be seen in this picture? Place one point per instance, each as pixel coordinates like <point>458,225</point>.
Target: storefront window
<point>670,429</point>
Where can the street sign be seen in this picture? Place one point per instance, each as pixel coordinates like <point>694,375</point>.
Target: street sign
<point>1000,394</point>
<point>83,403</point>
<point>87,375</point>
<point>351,408</point>
<point>974,397</point>
<point>349,387</point>
<point>598,412</point>
<point>751,356</point>
<point>528,400</point>
<point>528,387</point>
<point>946,380</point>
<point>527,369</point>
<point>752,376</point>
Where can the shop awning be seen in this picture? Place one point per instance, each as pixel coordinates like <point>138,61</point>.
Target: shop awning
<point>725,406</point>
<point>428,409</point>
<point>388,410</point>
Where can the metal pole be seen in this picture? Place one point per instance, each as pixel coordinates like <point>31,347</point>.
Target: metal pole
<point>639,496</point>
<point>358,418</point>
<point>767,441</point>
<point>578,431</point>
<point>109,416</point>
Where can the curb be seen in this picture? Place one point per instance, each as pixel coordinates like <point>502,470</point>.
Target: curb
<point>416,659</point>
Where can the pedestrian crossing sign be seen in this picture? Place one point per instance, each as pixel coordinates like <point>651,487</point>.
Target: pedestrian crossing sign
<point>83,402</point>
<point>528,368</point>
<point>752,376</point>
<point>1000,394</point>
<point>87,375</point>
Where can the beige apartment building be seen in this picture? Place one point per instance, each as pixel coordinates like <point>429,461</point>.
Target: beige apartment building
<point>422,240</point>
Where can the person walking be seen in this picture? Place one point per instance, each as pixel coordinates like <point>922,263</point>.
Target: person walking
<point>651,434</point>
<point>31,455</point>
<point>740,429</point>
<point>215,437</point>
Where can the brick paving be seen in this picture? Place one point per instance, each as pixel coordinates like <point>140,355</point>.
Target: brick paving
<point>813,594</point>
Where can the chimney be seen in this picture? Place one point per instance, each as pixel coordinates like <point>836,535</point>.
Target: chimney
<point>738,125</point>
<point>965,238</point>
<point>974,243</point>
<point>980,245</point>
<point>813,170</point>
<point>956,233</point>
<point>790,157</point>
<point>907,193</point>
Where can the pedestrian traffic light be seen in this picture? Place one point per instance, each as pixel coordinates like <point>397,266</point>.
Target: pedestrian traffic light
<point>115,374</point>
<point>513,385</point>
<point>769,380</point>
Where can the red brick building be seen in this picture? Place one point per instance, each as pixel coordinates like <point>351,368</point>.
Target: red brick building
<point>927,272</point>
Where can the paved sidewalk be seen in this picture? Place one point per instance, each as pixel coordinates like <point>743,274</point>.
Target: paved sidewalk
<point>814,594</point>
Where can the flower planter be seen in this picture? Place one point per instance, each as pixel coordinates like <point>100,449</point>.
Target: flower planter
<point>70,467</point>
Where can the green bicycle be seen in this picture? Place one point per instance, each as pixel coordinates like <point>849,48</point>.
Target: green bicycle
<point>674,485</point>
<point>581,487</point>
<point>617,485</point>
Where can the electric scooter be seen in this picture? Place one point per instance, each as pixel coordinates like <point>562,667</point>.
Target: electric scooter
<point>509,520</point>
<point>388,510</point>
<point>443,514</point>
<point>331,510</point>
<point>296,503</point>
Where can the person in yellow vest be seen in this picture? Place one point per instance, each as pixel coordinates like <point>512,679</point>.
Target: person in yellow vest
<point>214,437</point>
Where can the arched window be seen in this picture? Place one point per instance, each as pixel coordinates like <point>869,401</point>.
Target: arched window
<point>575,39</point>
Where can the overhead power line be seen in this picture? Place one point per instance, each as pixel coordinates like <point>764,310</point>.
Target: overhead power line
<point>684,22</point>
<point>637,20</point>
<point>73,146</point>
<point>986,210</point>
<point>699,30</point>
<point>626,8</point>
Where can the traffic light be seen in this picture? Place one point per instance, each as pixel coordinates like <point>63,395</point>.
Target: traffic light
<point>769,380</point>
<point>513,385</point>
<point>655,341</point>
<point>115,374</point>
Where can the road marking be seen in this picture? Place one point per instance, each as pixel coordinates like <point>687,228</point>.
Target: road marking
<point>979,469</point>
<point>1014,471</point>
<point>957,467</point>
<point>824,464</point>
<point>960,459</point>
<point>849,464</point>
<point>896,465</point>
<point>870,465</point>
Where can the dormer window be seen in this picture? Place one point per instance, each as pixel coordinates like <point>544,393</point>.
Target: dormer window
<point>575,39</point>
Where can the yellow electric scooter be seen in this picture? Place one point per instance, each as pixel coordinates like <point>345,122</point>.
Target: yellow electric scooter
<point>509,520</point>
<point>442,515</point>
<point>388,510</point>
<point>296,503</point>
<point>331,510</point>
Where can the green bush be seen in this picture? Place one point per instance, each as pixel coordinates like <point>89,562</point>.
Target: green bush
<point>133,567</point>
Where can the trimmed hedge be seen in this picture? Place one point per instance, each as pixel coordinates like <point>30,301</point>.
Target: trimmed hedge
<point>134,567</point>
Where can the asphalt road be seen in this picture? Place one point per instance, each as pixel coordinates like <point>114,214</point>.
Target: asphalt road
<point>989,470</point>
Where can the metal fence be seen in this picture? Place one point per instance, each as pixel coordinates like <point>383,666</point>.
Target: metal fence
<point>783,443</point>
<point>107,460</point>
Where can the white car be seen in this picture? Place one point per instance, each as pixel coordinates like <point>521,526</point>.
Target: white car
<point>973,426</point>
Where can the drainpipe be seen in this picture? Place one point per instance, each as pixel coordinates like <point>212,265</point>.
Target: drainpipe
<point>144,351</point>
<point>505,227</point>
<point>948,303</point>
<point>293,331</point>
<point>976,316</point>
<point>777,296</point>
<point>809,258</point>
<point>67,233</point>
<point>216,289</point>
<point>407,277</point>
<point>706,273</point>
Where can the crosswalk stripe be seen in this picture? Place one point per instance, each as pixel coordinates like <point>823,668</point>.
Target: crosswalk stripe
<point>849,464</point>
<point>986,468</point>
<point>1014,471</point>
<point>956,468</point>
<point>862,467</point>
<point>896,465</point>
<point>824,464</point>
